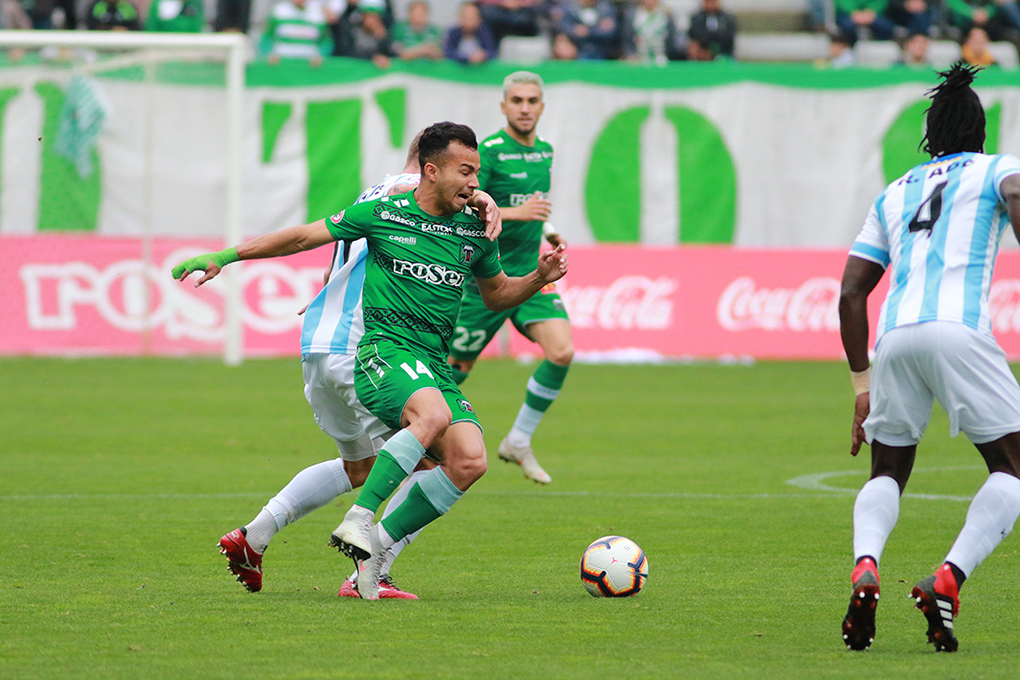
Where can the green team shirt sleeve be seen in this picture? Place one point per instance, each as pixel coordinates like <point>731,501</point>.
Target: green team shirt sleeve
<point>488,264</point>
<point>355,222</point>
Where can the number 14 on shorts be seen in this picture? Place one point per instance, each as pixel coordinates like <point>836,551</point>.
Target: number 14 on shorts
<point>419,369</point>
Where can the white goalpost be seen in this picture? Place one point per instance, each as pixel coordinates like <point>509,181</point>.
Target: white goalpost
<point>67,54</point>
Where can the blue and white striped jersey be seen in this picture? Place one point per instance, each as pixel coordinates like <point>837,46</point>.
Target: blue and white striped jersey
<point>333,321</point>
<point>937,229</point>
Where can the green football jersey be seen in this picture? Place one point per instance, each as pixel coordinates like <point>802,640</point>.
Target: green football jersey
<point>416,267</point>
<point>510,174</point>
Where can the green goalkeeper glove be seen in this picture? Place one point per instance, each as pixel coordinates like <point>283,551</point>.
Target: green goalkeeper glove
<point>201,262</point>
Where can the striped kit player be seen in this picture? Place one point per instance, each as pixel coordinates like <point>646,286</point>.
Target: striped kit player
<point>936,230</point>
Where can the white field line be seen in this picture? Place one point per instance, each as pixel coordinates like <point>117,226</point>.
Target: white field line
<point>813,482</point>
<point>816,482</point>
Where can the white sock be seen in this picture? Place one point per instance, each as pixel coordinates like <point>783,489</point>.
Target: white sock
<point>401,494</point>
<point>312,488</point>
<point>524,426</point>
<point>875,513</point>
<point>990,519</point>
<point>261,530</point>
<point>385,540</point>
<point>394,552</point>
<point>392,505</point>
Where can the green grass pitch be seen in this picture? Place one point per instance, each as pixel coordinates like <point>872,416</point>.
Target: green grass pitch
<point>117,478</point>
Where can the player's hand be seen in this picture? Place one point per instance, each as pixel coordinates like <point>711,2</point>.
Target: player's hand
<point>862,407</point>
<point>552,264</point>
<point>556,240</point>
<point>210,263</point>
<point>536,208</point>
<point>493,218</point>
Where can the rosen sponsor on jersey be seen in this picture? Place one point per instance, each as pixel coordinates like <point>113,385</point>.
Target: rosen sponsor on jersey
<point>435,274</point>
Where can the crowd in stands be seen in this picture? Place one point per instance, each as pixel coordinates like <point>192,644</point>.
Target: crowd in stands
<point>973,24</point>
<point>575,29</point>
<point>640,30</point>
<point>635,30</point>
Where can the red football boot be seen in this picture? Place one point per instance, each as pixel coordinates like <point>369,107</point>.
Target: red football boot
<point>938,598</point>
<point>859,623</point>
<point>242,560</point>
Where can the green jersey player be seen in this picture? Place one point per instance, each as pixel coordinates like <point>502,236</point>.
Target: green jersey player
<point>423,246</point>
<point>516,167</point>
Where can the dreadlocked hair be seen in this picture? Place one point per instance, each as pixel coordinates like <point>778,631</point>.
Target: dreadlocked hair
<point>956,119</point>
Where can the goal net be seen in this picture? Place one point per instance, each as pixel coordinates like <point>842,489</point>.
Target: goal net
<point>113,148</point>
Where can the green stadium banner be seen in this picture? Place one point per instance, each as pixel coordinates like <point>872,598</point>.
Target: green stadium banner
<point>747,155</point>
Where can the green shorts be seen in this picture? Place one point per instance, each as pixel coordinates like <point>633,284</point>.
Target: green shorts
<point>387,373</point>
<point>476,325</point>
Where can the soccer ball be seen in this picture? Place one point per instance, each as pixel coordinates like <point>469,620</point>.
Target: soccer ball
<point>614,566</point>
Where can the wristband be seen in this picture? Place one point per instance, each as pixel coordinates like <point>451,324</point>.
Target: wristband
<point>220,259</point>
<point>548,229</point>
<point>861,381</point>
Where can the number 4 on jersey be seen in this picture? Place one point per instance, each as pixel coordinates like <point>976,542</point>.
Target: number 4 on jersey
<point>929,212</point>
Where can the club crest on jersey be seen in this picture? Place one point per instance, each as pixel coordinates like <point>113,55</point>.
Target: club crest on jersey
<point>467,253</point>
<point>465,406</point>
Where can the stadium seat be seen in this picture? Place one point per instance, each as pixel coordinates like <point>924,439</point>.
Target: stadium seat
<point>781,47</point>
<point>682,11</point>
<point>524,50</point>
<point>877,52</point>
<point>1005,53</point>
<point>942,53</point>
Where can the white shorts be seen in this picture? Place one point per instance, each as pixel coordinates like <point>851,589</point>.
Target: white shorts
<point>329,389</point>
<point>962,368</point>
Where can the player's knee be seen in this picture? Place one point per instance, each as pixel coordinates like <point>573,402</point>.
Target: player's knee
<point>468,469</point>
<point>561,355</point>
<point>435,421</point>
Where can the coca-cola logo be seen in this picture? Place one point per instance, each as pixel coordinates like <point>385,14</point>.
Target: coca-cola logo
<point>813,306</point>
<point>628,303</point>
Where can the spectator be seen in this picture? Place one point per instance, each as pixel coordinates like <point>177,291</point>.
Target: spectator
<point>999,18</point>
<point>915,51</point>
<point>176,16</point>
<point>40,12</point>
<point>470,41</point>
<point>714,29</point>
<point>113,15</point>
<point>841,50</point>
<point>817,12</point>
<point>69,10</point>
<point>296,29</point>
<point>363,35</point>
<point>975,48</point>
<point>563,48</point>
<point>591,25</point>
<point>510,17</point>
<point>911,16</point>
<point>416,38</point>
<point>650,33</point>
<point>699,52</point>
<point>14,17</point>
<point>855,16</point>
<point>233,16</point>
